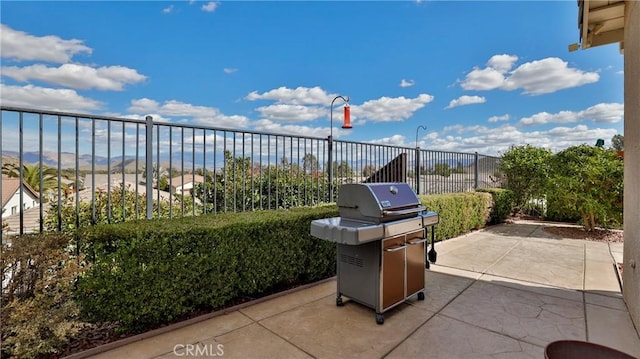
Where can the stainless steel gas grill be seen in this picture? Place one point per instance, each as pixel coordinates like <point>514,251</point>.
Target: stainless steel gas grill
<point>381,240</point>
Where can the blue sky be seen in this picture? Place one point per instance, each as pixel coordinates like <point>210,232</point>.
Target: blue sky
<point>480,75</point>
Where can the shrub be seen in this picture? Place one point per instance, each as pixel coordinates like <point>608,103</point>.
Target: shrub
<point>558,210</point>
<point>527,170</point>
<point>121,205</point>
<point>588,180</point>
<point>503,203</point>
<point>39,314</point>
<point>459,212</point>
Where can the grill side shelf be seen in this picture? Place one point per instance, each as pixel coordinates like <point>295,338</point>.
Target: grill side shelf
<point>343,231</point>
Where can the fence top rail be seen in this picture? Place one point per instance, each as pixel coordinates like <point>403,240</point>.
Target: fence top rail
<point>69,114</point>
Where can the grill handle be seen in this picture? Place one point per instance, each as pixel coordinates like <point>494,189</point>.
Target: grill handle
<point>395,249</point>
<point>417,242</point>
<point>404,211</point>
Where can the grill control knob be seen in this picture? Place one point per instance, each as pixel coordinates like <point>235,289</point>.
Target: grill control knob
<point>393,189</point>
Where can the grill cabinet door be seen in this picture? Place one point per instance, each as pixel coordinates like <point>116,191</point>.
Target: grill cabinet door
<point>415,262</point>
<point>393,271</point>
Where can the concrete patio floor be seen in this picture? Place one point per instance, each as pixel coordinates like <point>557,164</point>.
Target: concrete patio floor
<point>503,292</point>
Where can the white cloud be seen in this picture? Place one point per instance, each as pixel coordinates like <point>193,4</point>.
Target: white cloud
<point>203,115</point>
<point>604,113</point>
<point>210,6</point>
<point>291,113</point>
<point>502,63</point>
<point>168,9</point>
<point>21,46</point>
<point>229,70</point>
<point>395,140</point>
<point>407,83</point>
<point>504,117</point>
<point>388,109</point>
<point>600,113</point>
<point>273,127</point>
<point>494,141</point>
<point>46,98</point>
<point>547,76</point>
<point>466,100</point>
<point>292,105</point>
<point>297,96</point>
<point>77,76</point>
<point>460,129</point>
<point>534,78</point>
<point>483,80</point>
<point>545,117</point>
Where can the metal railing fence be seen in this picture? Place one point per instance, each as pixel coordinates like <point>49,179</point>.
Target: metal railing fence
<point>80,169</point>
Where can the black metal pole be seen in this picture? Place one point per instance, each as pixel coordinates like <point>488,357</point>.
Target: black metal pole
<point>418,159</point>
<point>330,145</point>
<point>417,169</point>
<point>475,172</point>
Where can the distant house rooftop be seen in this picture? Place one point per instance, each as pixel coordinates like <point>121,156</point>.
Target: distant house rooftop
<point>179,181</point>
<point>11,185</point>
<point>101,180</point>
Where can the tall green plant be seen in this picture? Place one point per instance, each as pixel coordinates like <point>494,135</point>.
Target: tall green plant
<point>527,170</point>
<point>120,205</point>
<point>238,186</point>
<point>588,180</point>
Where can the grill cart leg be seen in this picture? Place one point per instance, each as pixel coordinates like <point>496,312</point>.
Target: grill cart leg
<point>379,318</point>
<point>339,302</point>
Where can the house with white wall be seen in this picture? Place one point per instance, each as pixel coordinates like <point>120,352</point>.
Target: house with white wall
<point>11,197</point>
<point>104,183</point>
<point>184,184</point>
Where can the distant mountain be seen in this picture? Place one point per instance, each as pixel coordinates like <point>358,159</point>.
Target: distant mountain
<point>50,158</point>
<point>6,159</point>
<point>68,160</point>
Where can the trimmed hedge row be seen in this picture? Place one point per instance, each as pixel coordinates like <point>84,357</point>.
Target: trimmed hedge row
<point>147,273</point>
<point>503,204</point>
<point>459,213</point>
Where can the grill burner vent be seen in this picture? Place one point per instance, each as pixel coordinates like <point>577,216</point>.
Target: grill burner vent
<point>354,261</point>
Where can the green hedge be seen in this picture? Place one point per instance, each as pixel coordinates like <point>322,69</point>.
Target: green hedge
<point>459,213</point>
<point>503,203</point>
<point>146,273</point>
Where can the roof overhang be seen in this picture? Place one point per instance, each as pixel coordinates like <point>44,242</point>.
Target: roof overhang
<point>601,22</point>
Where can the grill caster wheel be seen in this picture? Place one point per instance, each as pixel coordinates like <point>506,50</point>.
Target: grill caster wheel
<point>421,296</point>
<point>339,302</point>
<point>379,319</point>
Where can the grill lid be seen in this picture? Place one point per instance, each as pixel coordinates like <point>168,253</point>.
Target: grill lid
<point>378,202</point>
